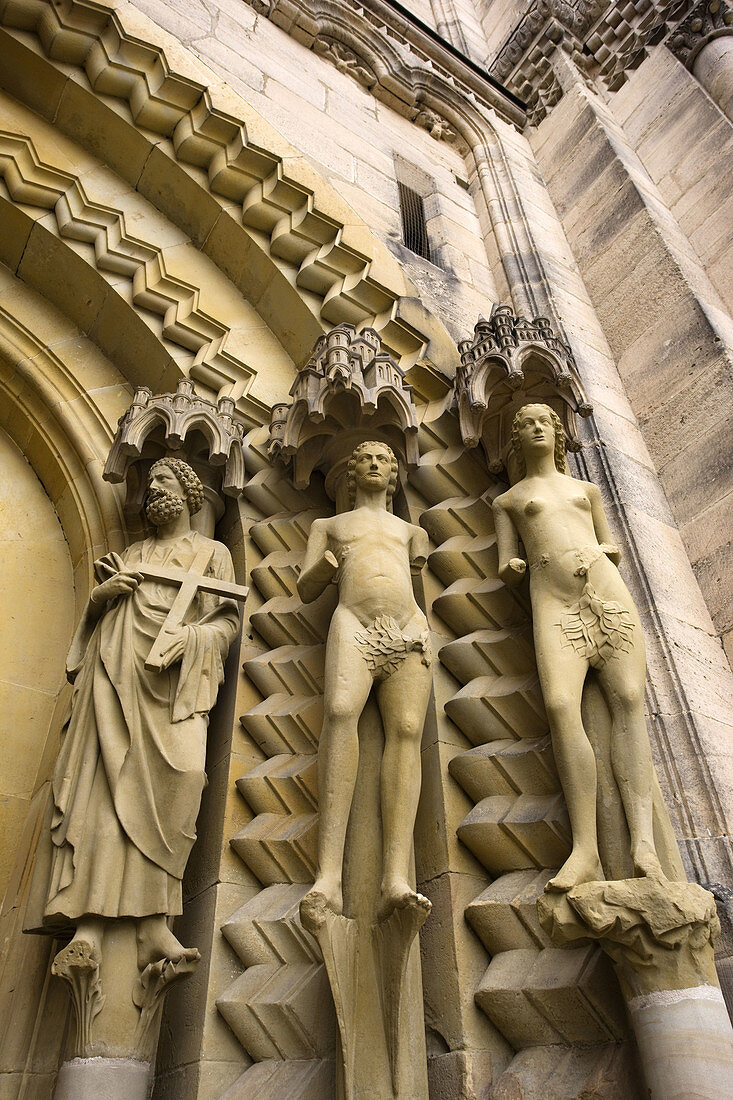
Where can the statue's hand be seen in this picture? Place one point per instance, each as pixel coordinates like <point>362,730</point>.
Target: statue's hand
<point>176,646</point>
<point>123,583</point>
<point>513,571</point>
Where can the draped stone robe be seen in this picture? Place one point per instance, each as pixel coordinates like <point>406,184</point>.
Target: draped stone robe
<point>128,781</point>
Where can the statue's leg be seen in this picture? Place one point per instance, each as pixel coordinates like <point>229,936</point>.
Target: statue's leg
<point>403,700</point>
<point>348,682</point>
<point>562,675</point>
<point>622,681</point>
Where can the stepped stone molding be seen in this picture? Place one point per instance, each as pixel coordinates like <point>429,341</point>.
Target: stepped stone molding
<point>280,1008</point>
<point>180,413</point>
<point>349,385</point>
<point>510,362</point>
<point>208,149</point>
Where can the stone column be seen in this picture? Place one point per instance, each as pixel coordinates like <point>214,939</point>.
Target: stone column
<point>713,67</point>
<point>659,935</point>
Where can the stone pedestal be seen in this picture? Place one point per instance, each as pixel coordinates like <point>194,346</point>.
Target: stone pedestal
<point>659,934</point>
<point>117,1012</point>
<point>373,964</point>
<point>103,1079</point>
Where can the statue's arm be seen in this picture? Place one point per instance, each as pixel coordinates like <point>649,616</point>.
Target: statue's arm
<point>511,567</point>
<point>600,525</point>
<point>419,545</point>
<point>319,565</point>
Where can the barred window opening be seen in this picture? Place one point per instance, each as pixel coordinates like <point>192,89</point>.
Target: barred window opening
<point>414,228</point>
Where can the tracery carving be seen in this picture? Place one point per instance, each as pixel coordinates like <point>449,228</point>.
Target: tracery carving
<point>179,414</point>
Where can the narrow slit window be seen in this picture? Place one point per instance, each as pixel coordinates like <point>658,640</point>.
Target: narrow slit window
<point>414,228</point>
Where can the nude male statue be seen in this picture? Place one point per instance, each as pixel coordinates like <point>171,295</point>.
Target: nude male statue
<point>378,636</point>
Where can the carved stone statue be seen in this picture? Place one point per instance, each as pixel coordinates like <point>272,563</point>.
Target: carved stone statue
<point>147,661</point>
<point>378,636</point>
<point>583,618</point>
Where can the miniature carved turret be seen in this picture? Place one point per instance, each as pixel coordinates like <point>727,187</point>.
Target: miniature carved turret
<point>180,414</point>
<point>348,390</point>
<point>509,362</point>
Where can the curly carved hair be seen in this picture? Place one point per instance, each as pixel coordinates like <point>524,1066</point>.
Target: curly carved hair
<point>559,454</point>
<point>351,476</point>
<point>188,478</point>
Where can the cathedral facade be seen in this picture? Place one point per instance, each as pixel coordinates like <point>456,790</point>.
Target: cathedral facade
<point>254,234</point>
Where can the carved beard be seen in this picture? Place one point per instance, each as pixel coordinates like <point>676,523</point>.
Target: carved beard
<point>162,506</point>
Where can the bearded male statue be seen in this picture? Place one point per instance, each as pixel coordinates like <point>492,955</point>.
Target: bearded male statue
<point>129,778</point>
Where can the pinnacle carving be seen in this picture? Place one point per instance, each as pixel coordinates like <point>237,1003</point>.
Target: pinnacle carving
<point>180,414</point>
<point>348,390</point>
<point>509,362</point>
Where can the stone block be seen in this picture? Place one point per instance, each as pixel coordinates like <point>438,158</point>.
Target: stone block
<point>504,916</point>
<point>504,767</point>
<point>509,833</point>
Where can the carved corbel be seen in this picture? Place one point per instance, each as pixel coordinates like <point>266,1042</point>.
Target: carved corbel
<point>512,361</point>
<point>345,60</point>
<point>348,391</point>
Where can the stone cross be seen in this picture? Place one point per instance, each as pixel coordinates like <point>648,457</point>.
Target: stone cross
<point>189,582</point>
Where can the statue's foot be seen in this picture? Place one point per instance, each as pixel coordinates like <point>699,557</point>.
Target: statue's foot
<point>400,895</point>
<point>646,862</point>
<point>326,896</point>
<point>80,955</point>
<point>155,941</point>
<point>579,867</point>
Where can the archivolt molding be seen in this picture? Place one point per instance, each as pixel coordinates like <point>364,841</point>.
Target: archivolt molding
<point>153,289</point>
<point>65,436</point>
<point>246,198</point>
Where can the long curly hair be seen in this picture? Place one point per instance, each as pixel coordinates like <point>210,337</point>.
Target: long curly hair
<point>559,452</point>
<point>351,468</point>
<point>189,480</point>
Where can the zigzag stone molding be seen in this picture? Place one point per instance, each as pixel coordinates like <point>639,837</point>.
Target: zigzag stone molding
<point>208,149</point>
<point>153,289</point>
<point>280,1008</point>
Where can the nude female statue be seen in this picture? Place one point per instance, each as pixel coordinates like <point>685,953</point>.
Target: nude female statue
<point>583,617</point>
<point>378,636</point>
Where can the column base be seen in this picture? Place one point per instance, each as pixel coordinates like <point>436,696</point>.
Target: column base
<point>103,1079</point>
<point>684,1038</point>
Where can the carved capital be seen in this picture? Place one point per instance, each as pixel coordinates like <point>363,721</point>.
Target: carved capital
<point>348,391</point>
<point>149,996</point>
<point>512,361</point>
<point>707,20</point>
<point>659,933</point>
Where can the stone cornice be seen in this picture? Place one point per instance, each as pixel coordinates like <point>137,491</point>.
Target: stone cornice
<point>392,54</point>
<point>604,40</point>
